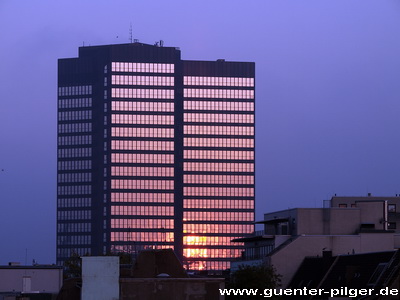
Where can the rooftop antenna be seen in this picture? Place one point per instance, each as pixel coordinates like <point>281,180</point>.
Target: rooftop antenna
<point>130,33</point>
<point>160,43</point>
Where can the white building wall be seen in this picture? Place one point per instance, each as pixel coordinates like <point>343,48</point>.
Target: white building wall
<point>100,278</point>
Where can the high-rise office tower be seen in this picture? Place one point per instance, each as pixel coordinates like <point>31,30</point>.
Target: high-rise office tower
<point>154,152</point>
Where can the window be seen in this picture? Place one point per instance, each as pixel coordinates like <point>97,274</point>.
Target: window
<point>377,274</point>
<point>342,205</point>
<point>392,225</point>
<point>391,207</point>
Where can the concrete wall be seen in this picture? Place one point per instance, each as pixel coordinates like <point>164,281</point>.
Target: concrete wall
<point>310,221</point>
<point>373,213</point>
<point>280,239</point>
<point>288,259</point>
<point>42,280</point>
<point>320,220</point>
<point>396,238</point>
<point>371,242</point>
<point>344,221</point>
<point>100,278</point>
<point>373,209</point>
<point>327,221</point>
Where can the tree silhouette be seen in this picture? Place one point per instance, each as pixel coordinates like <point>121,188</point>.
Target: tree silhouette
<point>254,277</point>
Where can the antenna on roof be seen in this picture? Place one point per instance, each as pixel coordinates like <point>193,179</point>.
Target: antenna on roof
<point>159,43</point>
<point>130,33</point>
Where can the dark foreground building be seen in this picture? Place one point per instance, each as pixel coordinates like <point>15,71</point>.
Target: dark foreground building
<point>154,152</point>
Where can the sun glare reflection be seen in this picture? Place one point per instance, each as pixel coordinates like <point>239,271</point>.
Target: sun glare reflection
<point>190,253</point>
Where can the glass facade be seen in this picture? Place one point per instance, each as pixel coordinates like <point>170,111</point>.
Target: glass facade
<point>218,167</point>
<point>142,156</point>
<point>74,170</point>
<point>154,152</point>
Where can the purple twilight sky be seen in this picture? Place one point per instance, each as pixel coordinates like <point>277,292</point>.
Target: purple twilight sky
<point>327,94</point>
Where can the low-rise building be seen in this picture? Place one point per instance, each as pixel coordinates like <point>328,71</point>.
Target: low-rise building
<point>156,274</point>
<point>293,234</point>
<point>392,205</point>
<point>17,279</point>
